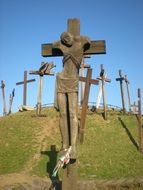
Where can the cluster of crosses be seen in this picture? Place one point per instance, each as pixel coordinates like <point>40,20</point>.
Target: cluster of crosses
<point>74,48</point>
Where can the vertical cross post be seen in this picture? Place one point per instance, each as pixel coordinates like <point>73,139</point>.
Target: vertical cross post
<point>103,80</point>
<point>11,100</point>
<point>128,93</point>
<point>83,66</point>
<point>139,117</point>
<point>4,100</point>
<point>88,81</point>
<point>25,86</point>
<point>121,79</point>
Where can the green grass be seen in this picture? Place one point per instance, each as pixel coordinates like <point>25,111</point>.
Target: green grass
<point>109,150</point>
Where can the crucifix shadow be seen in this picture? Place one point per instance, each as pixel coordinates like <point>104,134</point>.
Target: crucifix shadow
<point>52,154</point>
<point>128,133</point>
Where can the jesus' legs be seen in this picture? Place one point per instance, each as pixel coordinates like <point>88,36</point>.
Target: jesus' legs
<point>62,103</point>
<point>73,114</point>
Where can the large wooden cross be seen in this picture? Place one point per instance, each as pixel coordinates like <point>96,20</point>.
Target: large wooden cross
<point>121,79</point>
<point>103,80</point>
<point>88,81</point>
<point>25,86</point>
<point>48,50</point>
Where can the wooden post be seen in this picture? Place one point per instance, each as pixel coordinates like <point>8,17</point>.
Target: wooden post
<point>103,80</point>
<point>45,69</point>
<point>25,86</point>
<point>4,100</point>
<point>83,66</point>
<point>88,81</point>
<point>128,93</point>
<point>11,100</point>
<point>140,126</point>
<point>121,79</point>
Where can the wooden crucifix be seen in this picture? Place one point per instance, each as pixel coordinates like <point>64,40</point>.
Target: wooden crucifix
<point>88,81</point>
<point>103,80</point>
<point>72,47</point>
<point>11,100</point>
<point>45,69</point>
<point>4,100</point>
<point>25,86</point>
<point>128,93</point>
<point>139,118</point>
<point>121,79</point>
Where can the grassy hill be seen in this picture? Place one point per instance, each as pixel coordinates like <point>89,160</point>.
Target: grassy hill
<point>30,145</point>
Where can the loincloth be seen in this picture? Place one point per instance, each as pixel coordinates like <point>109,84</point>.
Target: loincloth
<point>66,85</point>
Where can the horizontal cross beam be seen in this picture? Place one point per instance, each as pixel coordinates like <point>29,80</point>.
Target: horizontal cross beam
<point>96,47</point>
<point>27,81</point>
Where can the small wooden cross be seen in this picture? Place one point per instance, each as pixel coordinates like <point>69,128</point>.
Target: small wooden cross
<point>4,100</point>
<point>25,86</point>
<point>11,100</point>
<point>128,93</point>
<point>121,79</point>
<point>45,69</point>
<point>88,81</point>
<point>103,80</point>
<point>139,118</point>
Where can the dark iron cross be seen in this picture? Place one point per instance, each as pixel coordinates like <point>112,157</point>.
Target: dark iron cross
<point>88,81</point>
<point>4,100</point>
<point>121,79</point>
<point>103,80</point>
<point>25,86</point>
<point>128,92</point>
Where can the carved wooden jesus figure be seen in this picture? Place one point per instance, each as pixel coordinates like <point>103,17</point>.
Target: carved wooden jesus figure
<point>72,48</point>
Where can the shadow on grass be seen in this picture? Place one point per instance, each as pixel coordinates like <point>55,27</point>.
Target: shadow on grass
<point>128,133</point>
<point>52,154</point>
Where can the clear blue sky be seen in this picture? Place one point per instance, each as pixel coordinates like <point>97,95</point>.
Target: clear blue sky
<point>26,24</point>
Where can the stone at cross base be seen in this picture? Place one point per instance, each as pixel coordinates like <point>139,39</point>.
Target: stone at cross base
<point>72,47</point>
